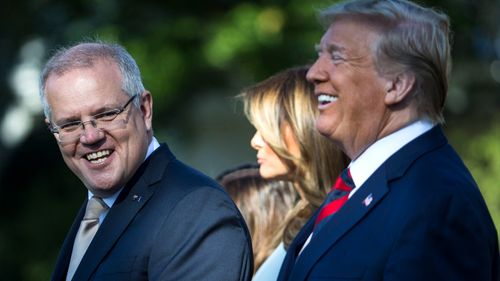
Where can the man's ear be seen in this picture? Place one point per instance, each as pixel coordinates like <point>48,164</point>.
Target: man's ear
<point>147,108</point>
<point>398,88</point>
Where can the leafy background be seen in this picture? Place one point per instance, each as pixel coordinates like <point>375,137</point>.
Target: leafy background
<point>195,56</point>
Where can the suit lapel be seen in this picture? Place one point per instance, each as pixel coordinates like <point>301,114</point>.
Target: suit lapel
<point>360,204</point>
<point>294,249</point>
<point>130,201</point>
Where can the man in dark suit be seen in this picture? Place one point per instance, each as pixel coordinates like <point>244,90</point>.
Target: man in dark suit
<point>148,216</point>
<point>414,211</point>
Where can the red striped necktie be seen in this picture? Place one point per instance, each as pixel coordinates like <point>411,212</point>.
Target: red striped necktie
<point>337,196</point>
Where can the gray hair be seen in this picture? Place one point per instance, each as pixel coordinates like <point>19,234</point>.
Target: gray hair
<point>413,39</point>
<point>84,55</point>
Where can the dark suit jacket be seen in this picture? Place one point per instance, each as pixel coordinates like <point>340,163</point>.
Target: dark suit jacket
<point>169,223</point>
<point>420,216</point>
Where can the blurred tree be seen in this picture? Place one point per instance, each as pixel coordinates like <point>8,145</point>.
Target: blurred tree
<point>189,51</point>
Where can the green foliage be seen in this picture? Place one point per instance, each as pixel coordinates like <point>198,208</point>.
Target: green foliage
<point>482,156</point>
<point>232,35</point>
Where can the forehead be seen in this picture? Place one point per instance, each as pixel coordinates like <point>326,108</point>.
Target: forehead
<point>84,89</point>
<point>350,34</point>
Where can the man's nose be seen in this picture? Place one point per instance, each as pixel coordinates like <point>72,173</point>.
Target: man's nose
<point>316,74</point>
<point>90,134</point>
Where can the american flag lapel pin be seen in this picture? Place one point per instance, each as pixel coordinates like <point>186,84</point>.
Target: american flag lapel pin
<point>368,200</point>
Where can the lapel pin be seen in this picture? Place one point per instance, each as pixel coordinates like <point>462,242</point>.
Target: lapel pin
<point>368,200</point>
<point>136,198</point>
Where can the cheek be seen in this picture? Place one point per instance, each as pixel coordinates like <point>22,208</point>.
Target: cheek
<point>67,152</point>
<point>71,162</point>
<point>277,167</point>
<point>132,146</point>
<point>291,143</point>
<point>368,106</point>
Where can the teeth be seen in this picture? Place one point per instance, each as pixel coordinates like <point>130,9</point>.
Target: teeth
<point>98,161</point>
<point>98,157</point>
<point>324,99</point>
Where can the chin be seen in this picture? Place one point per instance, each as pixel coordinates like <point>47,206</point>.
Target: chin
<point>326,125</point>
<point>271,175</point>
<point>322,129</point>
<point>102,188</point>
<point>266,174</point>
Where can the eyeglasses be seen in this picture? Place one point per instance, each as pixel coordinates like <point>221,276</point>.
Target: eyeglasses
<point>72,131</point>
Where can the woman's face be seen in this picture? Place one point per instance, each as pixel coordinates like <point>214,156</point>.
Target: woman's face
<point>271,165</point>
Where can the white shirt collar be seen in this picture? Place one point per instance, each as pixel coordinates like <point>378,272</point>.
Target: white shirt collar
<point>153,145</point>
<point>376,154</point>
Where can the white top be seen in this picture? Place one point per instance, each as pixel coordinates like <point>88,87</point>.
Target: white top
<point>270,268</point>
<point>153,145</point>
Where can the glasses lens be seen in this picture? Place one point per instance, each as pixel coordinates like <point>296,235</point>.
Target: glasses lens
<point>63,136</point>
<point>107,116</point>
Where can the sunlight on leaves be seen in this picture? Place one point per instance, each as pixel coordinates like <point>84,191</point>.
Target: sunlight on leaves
<point>483,159</point>
<point>232,35</point>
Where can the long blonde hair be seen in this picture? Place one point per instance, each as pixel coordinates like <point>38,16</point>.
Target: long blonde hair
<point>287,99</point>
<point>263,203</point>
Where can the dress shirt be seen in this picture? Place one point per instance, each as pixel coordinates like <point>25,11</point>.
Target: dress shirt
<point>375,155</point>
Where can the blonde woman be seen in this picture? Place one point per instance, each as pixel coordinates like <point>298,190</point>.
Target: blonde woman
<point>283,110</point>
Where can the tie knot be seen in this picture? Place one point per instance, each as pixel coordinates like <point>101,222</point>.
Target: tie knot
<point>344,181</point>
<point>95,207</point>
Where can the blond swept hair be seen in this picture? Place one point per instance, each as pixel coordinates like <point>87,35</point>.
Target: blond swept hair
<point>287,99</point>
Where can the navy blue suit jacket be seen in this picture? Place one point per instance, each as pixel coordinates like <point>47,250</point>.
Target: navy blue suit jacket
<point>420,216</point>
<point>169,223</point>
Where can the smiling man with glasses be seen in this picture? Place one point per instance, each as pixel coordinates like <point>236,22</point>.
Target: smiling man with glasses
<point>147,215</point>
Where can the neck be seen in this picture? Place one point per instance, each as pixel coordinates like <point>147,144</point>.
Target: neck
<point>395,121</point>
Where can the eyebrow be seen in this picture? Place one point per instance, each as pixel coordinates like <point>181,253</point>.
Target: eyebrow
<point>329,48</point>
<point>97,111</point>
<point>65,120</point>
